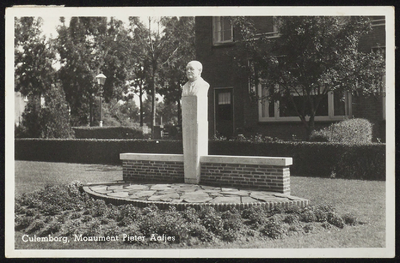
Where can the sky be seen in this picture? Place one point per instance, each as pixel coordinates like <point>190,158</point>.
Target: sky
<point>50,23</point>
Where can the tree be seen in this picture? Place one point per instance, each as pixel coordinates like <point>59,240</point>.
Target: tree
<point>46,114</point>
<point>152,53</point>
<point>90,46</point>
<point>34,56</point>
<point>312,57</point>
<point>48,118</point>
<point>180,33</point>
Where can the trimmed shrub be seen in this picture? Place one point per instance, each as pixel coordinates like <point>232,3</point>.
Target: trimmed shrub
<point>273,229</point>
<point>308,216</point>
<point>108,132</point>
<point>335,219</point>
<point>347,131</point>
<point>350,219</point>
<point>352,161</point>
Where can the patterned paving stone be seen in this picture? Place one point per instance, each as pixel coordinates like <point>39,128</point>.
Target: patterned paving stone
<point>165,192</point>
<point>136,187</point>
<point>223,189</point>
<point>212,191</point>
<point>246,199</point>
<point>239,193</point>
<point>119,194</point>
<point>280,195</point>
<point>98,187</point>
<point>205,187</point>
<point>160,187</point>
<point>155,197</point>
<point>102,191</point>
<point>189,188</point>
<point>115,187</point>
<point>226,199</point>
<point>144,193</point>
<point>214,194</point>
<point>189,193</point>
<point>170,197</point>
<point>264,197</point>
<point>196,197</point>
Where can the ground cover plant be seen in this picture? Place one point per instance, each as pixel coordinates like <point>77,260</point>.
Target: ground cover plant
<point>66,212</point>
<point>343,213</point>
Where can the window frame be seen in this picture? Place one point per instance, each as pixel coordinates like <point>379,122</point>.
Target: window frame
<point>217,31</point>
<point>263,109</point>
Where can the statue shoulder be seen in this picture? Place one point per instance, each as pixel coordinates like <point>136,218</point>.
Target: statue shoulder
<point>205,83</point>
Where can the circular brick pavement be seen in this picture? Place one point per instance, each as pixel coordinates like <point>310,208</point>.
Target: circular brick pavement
<point>184,195</point>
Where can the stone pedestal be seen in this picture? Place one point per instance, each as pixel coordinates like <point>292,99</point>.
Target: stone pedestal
<point>194,135</point>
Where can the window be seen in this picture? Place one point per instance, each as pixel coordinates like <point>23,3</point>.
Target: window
<point>272,30</point>
<point>378,21</point>
<point>335,106</point>
<point>222,30</point>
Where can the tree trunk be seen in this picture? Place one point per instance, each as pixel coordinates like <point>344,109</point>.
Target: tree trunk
<point>153,105</point>
<point>310,127</point>
<point>141,104</point>
<point>179,113</point>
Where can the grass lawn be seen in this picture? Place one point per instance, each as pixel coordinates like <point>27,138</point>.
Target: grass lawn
<point>365,199</point>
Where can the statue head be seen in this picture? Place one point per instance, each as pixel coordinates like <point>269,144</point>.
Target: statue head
<point>193,70</point>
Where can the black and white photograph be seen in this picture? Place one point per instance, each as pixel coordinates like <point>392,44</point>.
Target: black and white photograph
<point>200,132</point>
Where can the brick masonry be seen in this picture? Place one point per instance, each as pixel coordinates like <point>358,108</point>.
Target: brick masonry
<point>247,176</point>
<point>257,173</point>
<point>153,171</point>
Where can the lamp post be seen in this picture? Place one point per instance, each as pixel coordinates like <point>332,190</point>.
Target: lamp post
<point>101,79</point>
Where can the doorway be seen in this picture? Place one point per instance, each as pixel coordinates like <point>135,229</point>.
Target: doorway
<point>224,112</point>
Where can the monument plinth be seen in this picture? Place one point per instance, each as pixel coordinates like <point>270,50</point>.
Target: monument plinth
<point>195,137</point>
<point>194,122</point>
<point>195,166</point>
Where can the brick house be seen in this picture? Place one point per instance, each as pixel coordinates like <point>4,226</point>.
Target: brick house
<point>231,110</point>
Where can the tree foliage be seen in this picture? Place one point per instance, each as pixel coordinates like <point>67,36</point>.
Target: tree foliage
<point>311,57</point>
<point>34,56</point>
<point>48,118</point>
<point>90,46</point>
<point>180,32</point>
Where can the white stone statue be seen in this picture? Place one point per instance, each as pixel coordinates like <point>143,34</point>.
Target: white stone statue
<point>196,84</point>
<point>194,121</point>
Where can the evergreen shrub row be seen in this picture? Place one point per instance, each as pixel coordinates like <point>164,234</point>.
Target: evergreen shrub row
<point>108,133</point>
<point>315,159</point>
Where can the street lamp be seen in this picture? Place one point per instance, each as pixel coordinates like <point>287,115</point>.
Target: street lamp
<point>101,79</point>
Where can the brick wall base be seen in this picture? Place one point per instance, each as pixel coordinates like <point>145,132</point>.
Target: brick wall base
<point>154,168</point>
<point>257,173</point>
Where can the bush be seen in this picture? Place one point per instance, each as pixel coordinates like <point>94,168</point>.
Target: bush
<point>348,131</point>
<point>108,132</point>
<point>335,219</point>
<point>308,216</point>
<point>352,161</point>
<point>350,219</point>
<point>210,219</point>
<point>316,159</point>
<point>273,229</point>
<point>255,216</point>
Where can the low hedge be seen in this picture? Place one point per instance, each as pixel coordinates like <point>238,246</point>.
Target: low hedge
<point>108,132</point>
<point>319,159</point>
<point>88,150</point>
<point>352,161</point>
